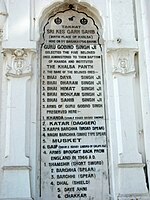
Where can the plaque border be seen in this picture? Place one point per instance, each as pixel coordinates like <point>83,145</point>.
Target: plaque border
<point>101,45</point>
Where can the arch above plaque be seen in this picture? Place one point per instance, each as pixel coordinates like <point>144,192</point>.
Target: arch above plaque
<point>73,135</point>
<point>78,8</point>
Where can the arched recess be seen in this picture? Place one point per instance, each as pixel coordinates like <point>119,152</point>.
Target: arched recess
<point>78,5</point>
<point>72,142</point>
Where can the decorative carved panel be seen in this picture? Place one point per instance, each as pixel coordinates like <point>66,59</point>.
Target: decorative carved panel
<point>123,61</point>
<point>18,62</point>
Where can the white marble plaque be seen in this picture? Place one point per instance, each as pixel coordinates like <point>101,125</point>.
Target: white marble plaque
<point>74,161</point>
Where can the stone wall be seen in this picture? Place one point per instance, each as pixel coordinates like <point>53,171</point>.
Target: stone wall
<point>126,63</point>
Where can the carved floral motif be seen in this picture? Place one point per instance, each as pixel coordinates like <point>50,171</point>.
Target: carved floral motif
<point>18,62</point>
<point>123,61</point>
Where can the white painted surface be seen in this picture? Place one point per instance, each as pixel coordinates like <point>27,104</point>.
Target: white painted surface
<point>19,101</point>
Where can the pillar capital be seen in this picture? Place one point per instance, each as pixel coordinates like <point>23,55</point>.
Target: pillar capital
<point>18,62</point>
<point>123,60</point>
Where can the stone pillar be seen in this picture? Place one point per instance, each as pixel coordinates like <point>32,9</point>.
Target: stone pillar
<point>143,14</point>
<point>16,169</point>
<point>132,182</point>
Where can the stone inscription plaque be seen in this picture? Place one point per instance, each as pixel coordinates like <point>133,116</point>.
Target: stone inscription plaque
<point>73,131</point>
